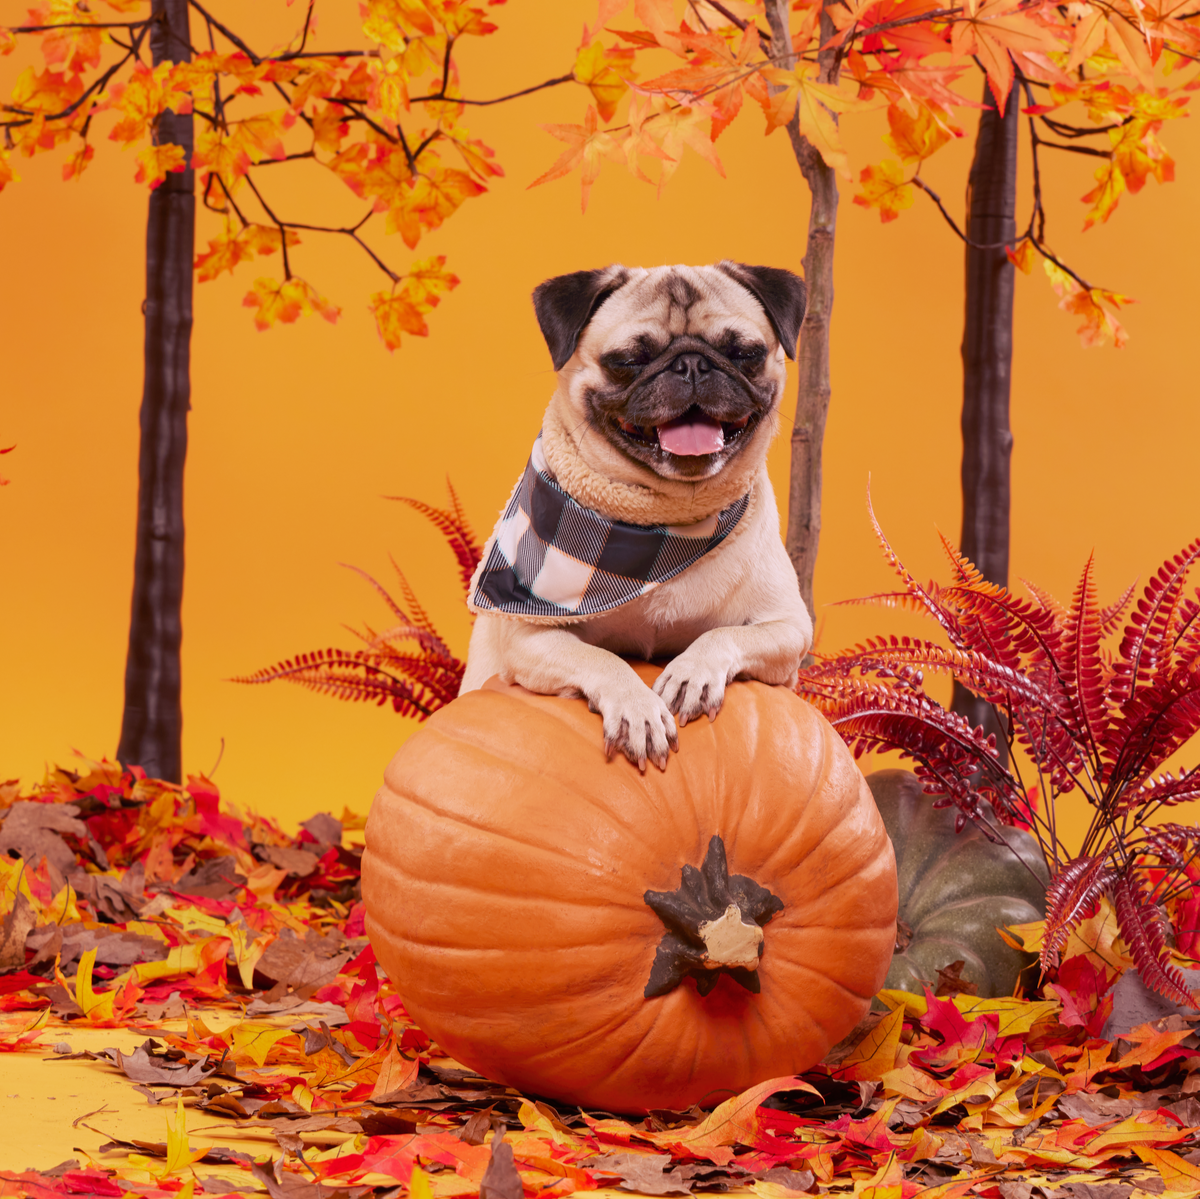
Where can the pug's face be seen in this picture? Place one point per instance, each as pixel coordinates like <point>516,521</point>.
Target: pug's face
<point>678,368</point>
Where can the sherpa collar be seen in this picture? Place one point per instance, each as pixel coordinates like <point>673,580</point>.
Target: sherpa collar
<point>550,556</point>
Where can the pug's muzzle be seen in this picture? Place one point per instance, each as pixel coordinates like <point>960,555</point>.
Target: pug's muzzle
<point>684,410</point>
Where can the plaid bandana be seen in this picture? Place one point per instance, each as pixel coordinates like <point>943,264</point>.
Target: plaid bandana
<point>551,556</point>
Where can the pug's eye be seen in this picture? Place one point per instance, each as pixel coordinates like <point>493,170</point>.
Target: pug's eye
<point>747,357</point>
<point>623,366</point>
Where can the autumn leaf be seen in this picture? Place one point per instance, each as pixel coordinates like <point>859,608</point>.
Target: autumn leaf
<point>7,174</point>
<point>154,162</point>
<point>875,1054</point>
<point>97,1009</point>
<point>588,145</point>
<point>1099,324</point>
<point>77,163</point>
<point>401,310</point>
<point>76,46</point>
<point>179,1156</point>
<point>232,247</point>
<point>138,100</point>
<point>425,202</point>
<point>596,67</point>
<point>995,33</point>
<point>286,302</point>
<point>915,138</point>
<point>1177,1173</point>
<point>800,91</point>
<point>1022,256</point>
<point>885,187</point>
<point>329,127</point>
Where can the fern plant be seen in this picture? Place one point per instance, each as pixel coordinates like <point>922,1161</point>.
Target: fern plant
<point>1095,711</point>
<point>408,664</point>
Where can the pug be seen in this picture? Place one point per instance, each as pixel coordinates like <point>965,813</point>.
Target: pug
<point>645,524</point>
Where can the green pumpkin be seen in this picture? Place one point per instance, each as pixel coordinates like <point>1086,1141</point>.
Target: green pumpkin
<point>956,889</point>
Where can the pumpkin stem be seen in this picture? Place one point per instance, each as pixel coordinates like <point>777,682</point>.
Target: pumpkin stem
<point>713,925</point>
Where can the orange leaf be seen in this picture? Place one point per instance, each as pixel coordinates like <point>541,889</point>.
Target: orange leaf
<point>915,138</point>
<point>587,145</point>
<point>154,162</point>
<point>286,302</point>
<point>1022,259</point>
<point>1177,1174</point>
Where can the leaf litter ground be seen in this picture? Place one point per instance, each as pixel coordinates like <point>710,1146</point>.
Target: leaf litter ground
<point>235,955</point>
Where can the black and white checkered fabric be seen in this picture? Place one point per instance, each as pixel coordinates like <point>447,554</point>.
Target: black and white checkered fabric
<point>550,556</point>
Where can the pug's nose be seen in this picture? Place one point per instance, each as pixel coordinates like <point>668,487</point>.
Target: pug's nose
<point>690,367</point>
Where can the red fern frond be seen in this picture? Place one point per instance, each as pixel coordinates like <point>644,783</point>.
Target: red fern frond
<point>925,597</point>
<point>905,658</point>
<point>1070,898</point>
<point>1150,625</point>
<point>351,676</point>
<point>947,750</point>
<point>1046,602</point>
<point>1110,616</point>
<point>1084,671</point>
<point>454,527</point>
<point>966,573</point>
<point>1164,791</point>
<point>1159,720</point>
<point>432,646</point>
<point>1017,627</point>
<point>1142,925</point>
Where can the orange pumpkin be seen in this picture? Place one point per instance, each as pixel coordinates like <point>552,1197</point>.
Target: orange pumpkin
<point>575,929</point>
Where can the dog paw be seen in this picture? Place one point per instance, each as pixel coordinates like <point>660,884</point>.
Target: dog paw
<point>638,724</point>
<point>691,685</point>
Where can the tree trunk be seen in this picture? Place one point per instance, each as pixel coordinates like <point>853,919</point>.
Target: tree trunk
<point>152,720</point>
<point>812,358</point>
<point>987,363</point>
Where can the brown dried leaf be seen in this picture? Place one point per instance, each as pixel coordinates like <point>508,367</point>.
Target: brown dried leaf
<point>500,1179</point>
<point>218,878</point>
<point>32,829</point>
<point>297,862</point>
<point>16,927</point>
<point>642,1172</point>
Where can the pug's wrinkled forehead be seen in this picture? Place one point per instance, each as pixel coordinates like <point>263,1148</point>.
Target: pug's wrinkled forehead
<point>594,310</point>
<point>666,305</point>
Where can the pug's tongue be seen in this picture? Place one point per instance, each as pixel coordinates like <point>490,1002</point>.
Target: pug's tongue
<point>692,435</point>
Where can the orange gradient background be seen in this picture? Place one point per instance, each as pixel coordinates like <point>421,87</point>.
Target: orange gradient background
<point>297,433</point>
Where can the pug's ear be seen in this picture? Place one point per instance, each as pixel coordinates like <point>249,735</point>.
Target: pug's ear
<point>781,293</point>
<point>566,303</point>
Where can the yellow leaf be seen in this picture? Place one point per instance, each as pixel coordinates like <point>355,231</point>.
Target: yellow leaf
<point>885,187</point>
<point>7,174</point>
<point>801,92</point>
<point>96,1008</point>
<point>886,1183</point>
<point>875,1054</point>
<point>255,1041</point>
<point>595,67</point>
<point>63,909</point>
<point>1110,185</point>
<point>1014,1015</point>
<point>179,1156</point>
<point>418,1185</point>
